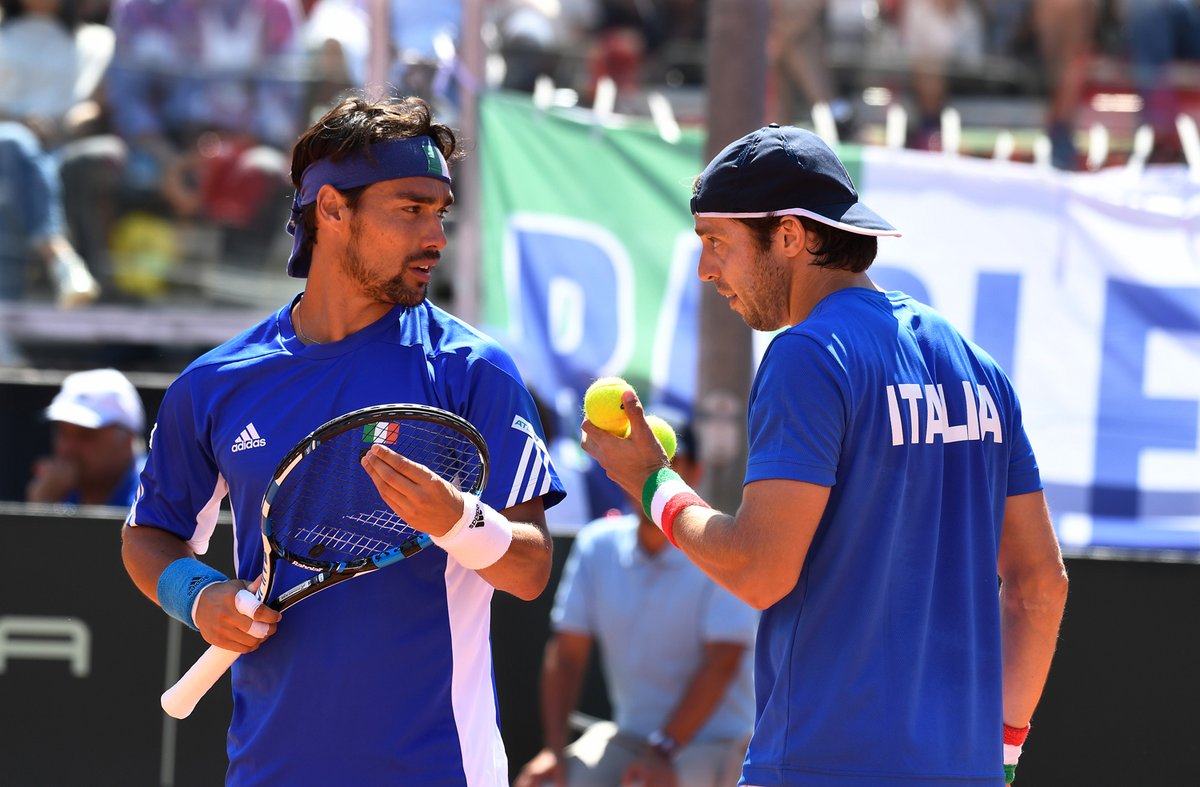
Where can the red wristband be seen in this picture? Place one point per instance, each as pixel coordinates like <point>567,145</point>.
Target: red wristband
<point>672,509</point>
<point>1015,736</point>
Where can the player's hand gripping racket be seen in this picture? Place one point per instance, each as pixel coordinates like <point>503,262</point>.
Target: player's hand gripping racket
<point>322,512</point>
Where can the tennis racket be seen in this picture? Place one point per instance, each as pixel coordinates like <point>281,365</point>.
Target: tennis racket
<point>322,512</point>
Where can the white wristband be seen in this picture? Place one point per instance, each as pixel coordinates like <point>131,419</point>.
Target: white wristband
<point>479,538</point>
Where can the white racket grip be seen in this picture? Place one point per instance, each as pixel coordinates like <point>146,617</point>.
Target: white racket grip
<point>179,700</point>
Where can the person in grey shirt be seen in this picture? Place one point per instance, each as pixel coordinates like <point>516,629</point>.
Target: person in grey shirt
<point>674,651</point>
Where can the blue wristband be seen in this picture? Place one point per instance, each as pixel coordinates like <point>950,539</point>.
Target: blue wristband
<point>179,585</point>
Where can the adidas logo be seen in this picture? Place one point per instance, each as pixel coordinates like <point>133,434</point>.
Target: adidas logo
<point>248,439</point>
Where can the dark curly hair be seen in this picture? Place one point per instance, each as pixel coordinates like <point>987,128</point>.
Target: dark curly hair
<point>835,248</point>
<point>352,126</point>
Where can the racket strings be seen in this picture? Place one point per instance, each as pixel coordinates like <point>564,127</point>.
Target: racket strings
<point>328,509</point>
<point>445,451</point>
<point>359,534</point>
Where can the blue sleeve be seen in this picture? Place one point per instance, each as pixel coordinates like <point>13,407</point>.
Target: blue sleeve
<point>1023,473</point>
<point>797,415</point>
<point>181,488</point>
<point>571,611</point>
<point>494,398</point>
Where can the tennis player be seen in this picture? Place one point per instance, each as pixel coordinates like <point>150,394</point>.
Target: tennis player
<point>386,679</point>
<point>889,481</point>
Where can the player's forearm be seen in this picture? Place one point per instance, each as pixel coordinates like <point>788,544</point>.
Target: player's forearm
<point>758,553</point>
<point>146,552</point>
<point>524,570</point>
<point>729,551</point>
<point>710,540</point>
<point>1031,613</point>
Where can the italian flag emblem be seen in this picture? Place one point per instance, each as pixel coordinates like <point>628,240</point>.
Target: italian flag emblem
<point>383,434</point>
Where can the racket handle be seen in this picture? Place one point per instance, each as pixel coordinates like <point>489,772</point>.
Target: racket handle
<point>179,700</point>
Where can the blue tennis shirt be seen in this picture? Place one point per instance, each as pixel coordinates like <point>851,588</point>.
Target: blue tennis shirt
<point>387,677</point>
<point>883,666</point>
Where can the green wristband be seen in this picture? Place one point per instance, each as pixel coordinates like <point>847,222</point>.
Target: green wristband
<point>653,482</point>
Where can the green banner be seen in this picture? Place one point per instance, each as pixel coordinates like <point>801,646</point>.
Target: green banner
<point>585,225</point>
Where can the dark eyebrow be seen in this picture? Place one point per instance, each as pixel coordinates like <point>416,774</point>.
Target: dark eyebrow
<point>421,199</point>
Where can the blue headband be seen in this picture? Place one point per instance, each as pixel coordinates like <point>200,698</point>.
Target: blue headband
<point>411,157</point>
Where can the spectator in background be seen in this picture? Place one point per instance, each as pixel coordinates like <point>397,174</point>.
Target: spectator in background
<point>938,35</point>
<point>205,98</point>
<point>628,32</point>
<point>336,39</point>
<point>425,38</point>
<point>680,54</point>
<point>97,443</point>
<point>541,37</point>
<point>799,62</point>
<point>1159,32</point>
<point>50,67</point>
<point>674,648</point>
<point>1065,31</point>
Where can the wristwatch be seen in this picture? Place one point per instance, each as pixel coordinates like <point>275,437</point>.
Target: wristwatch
<point>663,745</point>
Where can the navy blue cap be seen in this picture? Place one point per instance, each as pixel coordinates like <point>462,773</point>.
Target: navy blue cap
<point>784,171</point>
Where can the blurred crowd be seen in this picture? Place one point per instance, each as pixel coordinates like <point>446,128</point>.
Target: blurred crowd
<point>1136,57</point>
<point>134,133</point>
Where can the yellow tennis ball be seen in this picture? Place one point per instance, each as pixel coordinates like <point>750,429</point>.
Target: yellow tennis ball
<point>664,433</point>
<point>602,405</point>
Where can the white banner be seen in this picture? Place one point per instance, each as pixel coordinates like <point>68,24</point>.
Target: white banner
<point>1086,288</point>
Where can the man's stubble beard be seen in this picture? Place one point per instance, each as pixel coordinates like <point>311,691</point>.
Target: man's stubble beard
<point>770,288</point>
<point>392,290</point>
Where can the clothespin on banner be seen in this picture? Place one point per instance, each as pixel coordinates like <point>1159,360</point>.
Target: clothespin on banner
<point>951,131</point>
<point>896,126</point>
<point>543,92</point>
<point>824,124</point>
<point>663,116</point>
<point>605,99</point>
<point>1143,145</point>
<point>1189,138</point>
<point>1097,146</point>
<point>1006,145</point>
<point>1041,152</point>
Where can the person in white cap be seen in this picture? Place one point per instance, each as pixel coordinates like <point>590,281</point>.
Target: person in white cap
<point>97,444</point>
